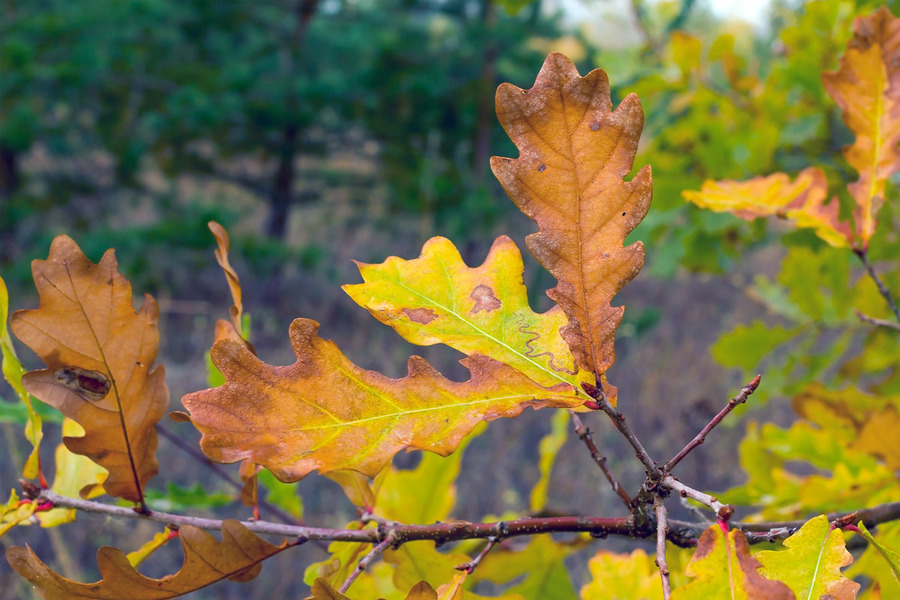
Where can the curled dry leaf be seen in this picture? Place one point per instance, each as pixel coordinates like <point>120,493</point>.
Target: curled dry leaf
<point>234,283</point>
<point>324,413</point>
<point>99,355</point>
<point>237,557</point>
<point>867,88</point>
<point>574,153</point>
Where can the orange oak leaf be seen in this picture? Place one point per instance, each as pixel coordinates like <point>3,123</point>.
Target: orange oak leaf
<point>99,355</point>
<point>237,557</point>
<point>324,413</point>
<point>574,152</point>
<point>801,201</point>
<point>867,88</point>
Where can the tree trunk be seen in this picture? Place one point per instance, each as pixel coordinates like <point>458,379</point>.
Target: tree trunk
<point>485,118</point>
<point>10,181</point>
<point>283,186</point>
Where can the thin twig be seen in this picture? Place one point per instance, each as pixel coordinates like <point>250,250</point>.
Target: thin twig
<point>877,322</point>
<point>723,511</point>
<point>882,289</point>
<point>470,566</point>
<point>618,420</point>
<point>220,472</point>
<point>662,530</point>
<point>745,393</point>
<point>366,561</point>
<point>584,433</point>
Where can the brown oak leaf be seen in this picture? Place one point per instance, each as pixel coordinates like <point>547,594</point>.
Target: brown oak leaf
<point>574,152</point>
<point>237,557</point>
<point>99,355</point>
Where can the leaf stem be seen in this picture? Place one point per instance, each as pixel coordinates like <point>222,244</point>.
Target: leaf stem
<point>882,289</point>
<point>741,398</point>
<point>584,433</point>
<point>662,530</point>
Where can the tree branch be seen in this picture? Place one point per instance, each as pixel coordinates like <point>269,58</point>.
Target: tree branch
<point>741,398</point>
<point>681,533</point>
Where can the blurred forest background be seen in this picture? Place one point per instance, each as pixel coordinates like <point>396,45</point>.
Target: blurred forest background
<point>320,131</point>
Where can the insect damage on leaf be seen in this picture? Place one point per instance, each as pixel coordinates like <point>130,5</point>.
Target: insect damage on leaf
<point>575,152</point>
<point>90,385</point>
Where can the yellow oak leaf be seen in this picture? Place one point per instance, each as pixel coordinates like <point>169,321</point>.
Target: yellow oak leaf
<point>811,564</point>
<point>622,576</point>
<point>237,557</point>
<point>865,87</point>
<point>324,413</point>
<point>574,153</point>
<point>76,475</point>
<point>99,355</point>
<point>436,299</point>
<point>801,201</point>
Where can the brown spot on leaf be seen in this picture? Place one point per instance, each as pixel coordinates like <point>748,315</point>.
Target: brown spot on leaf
<point>484,299</point>
<point>420,315</point>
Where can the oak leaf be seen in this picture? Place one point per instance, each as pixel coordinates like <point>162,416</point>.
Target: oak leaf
<point>811,565</point>
<point>622,576</point>
<point>574,152</point>
<point>237,557</point>
<point>867,88</point>
<point>99,355</point>
<point>324,413</point>
<point>801,201</point>
<point>322,590</point>
<point>76,475</point>
<point>723,568</point>
<point>436,299</point>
